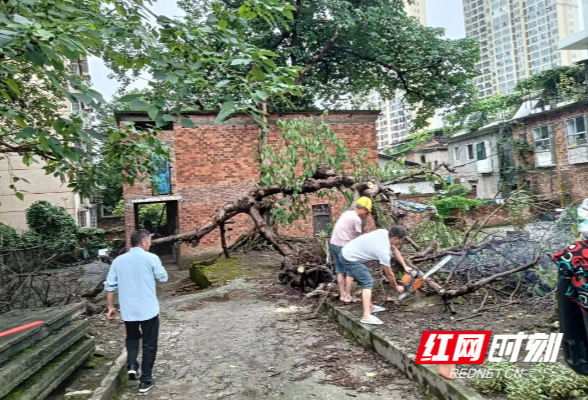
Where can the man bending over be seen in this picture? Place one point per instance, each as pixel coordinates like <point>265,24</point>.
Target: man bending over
<point>380,245</point>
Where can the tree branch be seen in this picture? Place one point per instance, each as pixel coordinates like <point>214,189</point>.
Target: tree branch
<point>317,57</point>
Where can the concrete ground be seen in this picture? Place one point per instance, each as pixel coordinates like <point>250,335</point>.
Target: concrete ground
<point>239,343</point>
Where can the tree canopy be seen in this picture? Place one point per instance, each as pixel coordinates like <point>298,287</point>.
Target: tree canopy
<point>40,41</point>
<point>350,47</point>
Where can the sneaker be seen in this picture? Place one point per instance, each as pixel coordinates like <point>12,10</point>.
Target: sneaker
<point>132,374</point>
<point>144,386</point>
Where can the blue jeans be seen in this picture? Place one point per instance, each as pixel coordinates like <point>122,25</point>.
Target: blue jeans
<point>359,272</point>
<point>337,258</point>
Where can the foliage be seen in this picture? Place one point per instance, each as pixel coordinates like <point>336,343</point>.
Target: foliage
<point>497,383</point>
<point>480,112</point>
<point>9,238</point>
<point>445,236</point>
<point>561,82</point>
<point>517,207</point>
<point>41,42</point>
<point>151,212</point>
<point>454,199</point>
<point>555,82</point>
<point>412,142</point>
<point>45,219</point>
<point>92,238</point>
<point>347,49</point>
<point>543,381</point>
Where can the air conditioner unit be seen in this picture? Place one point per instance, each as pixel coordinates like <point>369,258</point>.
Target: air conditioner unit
<point>544,159</point>
<point>578,154</point>
<point>484,166</point>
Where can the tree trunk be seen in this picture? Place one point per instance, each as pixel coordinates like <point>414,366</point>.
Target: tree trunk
<point>268,233</point>
<point>224,240</point>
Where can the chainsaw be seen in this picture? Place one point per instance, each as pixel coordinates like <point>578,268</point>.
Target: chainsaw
<point>414,281</point>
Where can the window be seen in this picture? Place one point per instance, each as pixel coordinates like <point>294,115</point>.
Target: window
<point>456,153</point>
<point>470,148</point>
<point>576,131</point>
<point>93,217</point>
<point>541,140</point>
<point>481,151</point>
<point>82,218</point>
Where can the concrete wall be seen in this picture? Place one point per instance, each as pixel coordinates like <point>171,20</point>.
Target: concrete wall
<point>216,163</point>
<point>40,187</point>
<point>487,185</point>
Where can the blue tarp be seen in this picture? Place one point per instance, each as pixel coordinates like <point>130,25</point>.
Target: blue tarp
<point>162,177</point>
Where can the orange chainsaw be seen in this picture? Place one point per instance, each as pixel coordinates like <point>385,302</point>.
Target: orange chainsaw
<point>414,281</point>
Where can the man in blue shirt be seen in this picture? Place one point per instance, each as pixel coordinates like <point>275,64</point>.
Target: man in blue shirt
<point>133,274</point>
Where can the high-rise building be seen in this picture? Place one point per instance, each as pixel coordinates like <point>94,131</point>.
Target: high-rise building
<point>519,38</point>
<point>395,121</point>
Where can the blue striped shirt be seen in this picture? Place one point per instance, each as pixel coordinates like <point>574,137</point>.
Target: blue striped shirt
<point>133,274</point>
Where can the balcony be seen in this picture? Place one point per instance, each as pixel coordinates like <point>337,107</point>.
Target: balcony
<point>484,166</point>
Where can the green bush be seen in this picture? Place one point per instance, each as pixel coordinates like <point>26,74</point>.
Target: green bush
<point>45,219</point>
<point>544,381</point>
<point>151,212</point>
<point>445,205</point>
<point>92,238</point>
<point>9,238</point>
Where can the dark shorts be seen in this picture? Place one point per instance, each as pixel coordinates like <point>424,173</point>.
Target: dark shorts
<point>359,272</point>
<point>337,258</point>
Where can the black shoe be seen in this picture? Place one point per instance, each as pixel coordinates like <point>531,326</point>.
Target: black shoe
<point>132,374</point>
<point>144,386</point>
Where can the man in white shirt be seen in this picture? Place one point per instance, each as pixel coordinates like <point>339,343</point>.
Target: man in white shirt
<point>348,227</point>
<point>380,245</point>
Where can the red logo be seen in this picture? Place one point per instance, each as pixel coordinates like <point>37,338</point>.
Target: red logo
<point>453,347</point>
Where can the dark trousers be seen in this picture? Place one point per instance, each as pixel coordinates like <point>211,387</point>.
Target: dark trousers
<point>149,332</point>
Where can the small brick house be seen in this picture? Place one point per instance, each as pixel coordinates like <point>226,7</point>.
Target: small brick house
<point>214,164</point>
<point>560,160</point>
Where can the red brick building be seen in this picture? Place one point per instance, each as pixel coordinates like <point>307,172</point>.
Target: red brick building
<point>216,163</point>
<point>558,168</point>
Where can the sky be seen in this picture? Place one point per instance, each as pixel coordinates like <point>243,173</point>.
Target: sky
<point>447,14</point>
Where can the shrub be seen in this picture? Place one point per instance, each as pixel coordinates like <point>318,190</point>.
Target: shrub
<point>445,205</point>
<point>45,219</point>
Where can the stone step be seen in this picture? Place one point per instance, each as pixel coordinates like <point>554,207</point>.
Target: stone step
<point>44,381</point>
<point>53,319</point>
<point>29,361</point>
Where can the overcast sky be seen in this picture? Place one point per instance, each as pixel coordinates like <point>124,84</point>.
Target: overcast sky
<point>447,14</point>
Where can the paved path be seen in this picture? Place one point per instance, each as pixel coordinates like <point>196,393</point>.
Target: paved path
<point>231,343</point>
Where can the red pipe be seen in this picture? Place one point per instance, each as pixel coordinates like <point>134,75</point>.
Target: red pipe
<point>21,328</point>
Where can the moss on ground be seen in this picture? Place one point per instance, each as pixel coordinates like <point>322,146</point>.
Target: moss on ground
<point>227,269</point>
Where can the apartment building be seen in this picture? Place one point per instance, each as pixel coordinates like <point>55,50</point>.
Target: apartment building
<point>40,186</point>
<point>395,121</point>
<point>519,38</point>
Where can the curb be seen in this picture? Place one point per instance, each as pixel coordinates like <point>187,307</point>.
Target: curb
<point>425,375</point>
<point>112,380</point>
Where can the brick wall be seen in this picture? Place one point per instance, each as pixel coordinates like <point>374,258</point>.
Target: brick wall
<point>216,163</point>
<point>546,181</point>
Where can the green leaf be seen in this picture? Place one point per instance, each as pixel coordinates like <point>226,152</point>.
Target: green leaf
<point>5,40</point>
<point>139,105</point>
<point>22,20</point>
<point>19,196</point>
<point>160,75</point>
<point>153,112</point>
<point>27,132</point>
<point>56,146</point>
<point>35,56</point>
<point>95,134</point>
<point>187,123</point>
<point>262,95</point>
<point>130,97</point>
<point>172,78</point>
<point>222,83</point>
<point>258,74</point>
<point>168,117</point>
<point>226,112</point>
<point>242,61</point>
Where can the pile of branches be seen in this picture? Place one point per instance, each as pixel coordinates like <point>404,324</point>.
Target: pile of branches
<point>305,267</point>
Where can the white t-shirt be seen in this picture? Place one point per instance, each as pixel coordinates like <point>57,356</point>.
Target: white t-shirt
<point>369,247</point>
<point>347,228</point>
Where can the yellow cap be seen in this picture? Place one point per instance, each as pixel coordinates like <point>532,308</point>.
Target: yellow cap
<point>365,202</point>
